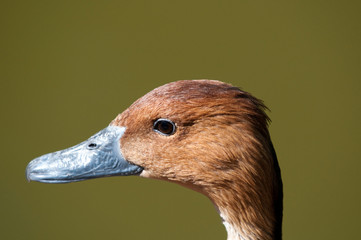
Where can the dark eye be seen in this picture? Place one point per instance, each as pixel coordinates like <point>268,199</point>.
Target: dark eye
<point>164,126</point>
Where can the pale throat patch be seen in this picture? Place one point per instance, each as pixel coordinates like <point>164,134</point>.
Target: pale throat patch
<point>232,233</point>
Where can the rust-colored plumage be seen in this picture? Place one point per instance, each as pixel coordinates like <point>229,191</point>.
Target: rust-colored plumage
<point>221,148</point>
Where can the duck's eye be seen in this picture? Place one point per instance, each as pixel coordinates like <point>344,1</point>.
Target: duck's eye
<point>164,126</point>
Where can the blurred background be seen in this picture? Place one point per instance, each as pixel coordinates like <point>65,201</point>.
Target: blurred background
<point>67,68</point>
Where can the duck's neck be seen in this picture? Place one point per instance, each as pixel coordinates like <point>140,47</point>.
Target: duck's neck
<point>251,207</point>
<point>249,199</point>
<point>236,232</point>
<point>247,219</point>
<point>233,232</point>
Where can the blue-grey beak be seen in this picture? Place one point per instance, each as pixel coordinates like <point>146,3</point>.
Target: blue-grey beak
<point>99,156</point>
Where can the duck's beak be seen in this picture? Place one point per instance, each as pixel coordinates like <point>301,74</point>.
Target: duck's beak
<point>99,156</point>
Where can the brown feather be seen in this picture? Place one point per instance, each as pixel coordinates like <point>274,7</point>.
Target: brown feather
<point>221,148</point>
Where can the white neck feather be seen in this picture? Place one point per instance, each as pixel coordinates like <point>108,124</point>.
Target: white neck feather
<point>232,232</point>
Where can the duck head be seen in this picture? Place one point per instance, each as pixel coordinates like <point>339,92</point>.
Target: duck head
<point>203,134</point>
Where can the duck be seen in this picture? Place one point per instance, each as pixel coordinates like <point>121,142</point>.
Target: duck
<point>205,135</point>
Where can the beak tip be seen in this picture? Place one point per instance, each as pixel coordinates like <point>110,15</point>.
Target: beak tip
<point>27,174</point>
<point>29,171</point>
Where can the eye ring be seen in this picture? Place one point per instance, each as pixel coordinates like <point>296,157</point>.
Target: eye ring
<point>164,126</point>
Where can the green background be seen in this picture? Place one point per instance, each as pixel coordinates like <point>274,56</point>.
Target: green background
<point>69,67</point>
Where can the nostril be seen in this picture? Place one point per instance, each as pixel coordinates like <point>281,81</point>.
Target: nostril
<point>92,146</point>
